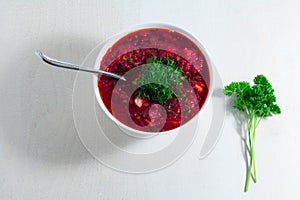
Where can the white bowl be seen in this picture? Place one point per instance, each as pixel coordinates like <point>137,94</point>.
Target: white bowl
<point>112,40</point>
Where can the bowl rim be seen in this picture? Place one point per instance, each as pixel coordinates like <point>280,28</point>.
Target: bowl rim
<point>109,42</point>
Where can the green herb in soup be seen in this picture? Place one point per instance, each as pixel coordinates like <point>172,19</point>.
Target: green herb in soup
<point>163,71</point>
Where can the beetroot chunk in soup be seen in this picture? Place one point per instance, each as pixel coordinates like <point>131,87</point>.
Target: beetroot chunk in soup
<point>136,49</point>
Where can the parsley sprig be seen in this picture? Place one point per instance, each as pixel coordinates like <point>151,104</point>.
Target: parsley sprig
<point>258,102</point>
<point>158,77</point>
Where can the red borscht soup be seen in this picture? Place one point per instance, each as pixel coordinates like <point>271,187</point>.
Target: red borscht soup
<point>153,103</point>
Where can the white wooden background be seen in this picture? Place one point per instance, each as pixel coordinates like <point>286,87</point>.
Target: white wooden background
<point>41,156</point>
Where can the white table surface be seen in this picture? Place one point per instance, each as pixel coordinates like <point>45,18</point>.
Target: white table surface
<point>41,156</point>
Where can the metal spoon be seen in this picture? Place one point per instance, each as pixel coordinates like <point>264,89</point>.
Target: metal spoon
<point>66,65</point>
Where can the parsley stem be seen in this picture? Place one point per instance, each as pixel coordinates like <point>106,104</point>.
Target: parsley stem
<point>250,124</point>
<point>254,168</point>
<point>253,155</point>
<point>253,130</point>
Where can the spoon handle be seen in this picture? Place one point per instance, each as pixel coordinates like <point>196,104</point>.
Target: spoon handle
<point>66,65</point>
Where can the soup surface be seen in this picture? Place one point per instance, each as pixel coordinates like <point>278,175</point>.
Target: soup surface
<point>173,61</point>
